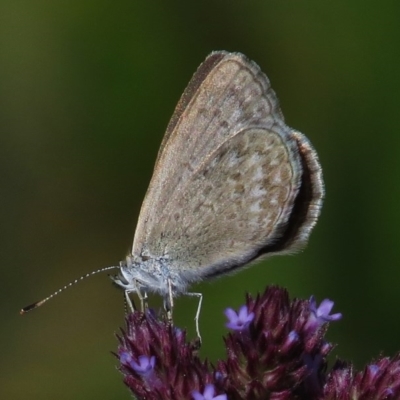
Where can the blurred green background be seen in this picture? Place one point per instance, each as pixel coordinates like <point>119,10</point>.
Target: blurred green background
<point>86,91</point>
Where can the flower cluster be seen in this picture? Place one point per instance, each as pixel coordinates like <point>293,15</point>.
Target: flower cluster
<point>276,350</point>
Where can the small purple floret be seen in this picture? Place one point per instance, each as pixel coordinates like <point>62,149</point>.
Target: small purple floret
<point>292,339</point>
<point>208,394</point>
<point>373,370</point>
<point>144,365</point>
<point>320,315</point>
<point>238,321</point>
<point>125,358</point>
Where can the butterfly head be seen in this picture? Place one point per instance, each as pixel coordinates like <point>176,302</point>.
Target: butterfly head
<point>146,274</point>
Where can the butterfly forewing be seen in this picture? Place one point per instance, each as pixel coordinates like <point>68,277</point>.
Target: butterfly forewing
<point>233,95</point>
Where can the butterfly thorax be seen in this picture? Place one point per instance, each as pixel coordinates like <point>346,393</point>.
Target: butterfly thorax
<point>149,274</point>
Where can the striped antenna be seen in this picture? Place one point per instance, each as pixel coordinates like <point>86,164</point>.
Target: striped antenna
<point>39,303</point>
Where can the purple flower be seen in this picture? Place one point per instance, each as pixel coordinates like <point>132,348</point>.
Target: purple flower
<point>282,357</point>
<point>380,381</point>
<point>267,362</point>
<point>238,321</point>
<point>172,371</point>
<point>291,340</point>
<point>320,315</point>
<point>208,394</point>
<point>144,365</point>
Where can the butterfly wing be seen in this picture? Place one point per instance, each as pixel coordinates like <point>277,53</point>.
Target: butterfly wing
<point>227,93</point>
<point>227,175</point>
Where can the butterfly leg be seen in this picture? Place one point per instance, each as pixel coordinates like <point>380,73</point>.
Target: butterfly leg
<point>142,298</point>
<point>128,303</point>
<point>169,303</point>
<point>197,316</point>
<point>143,302</point>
